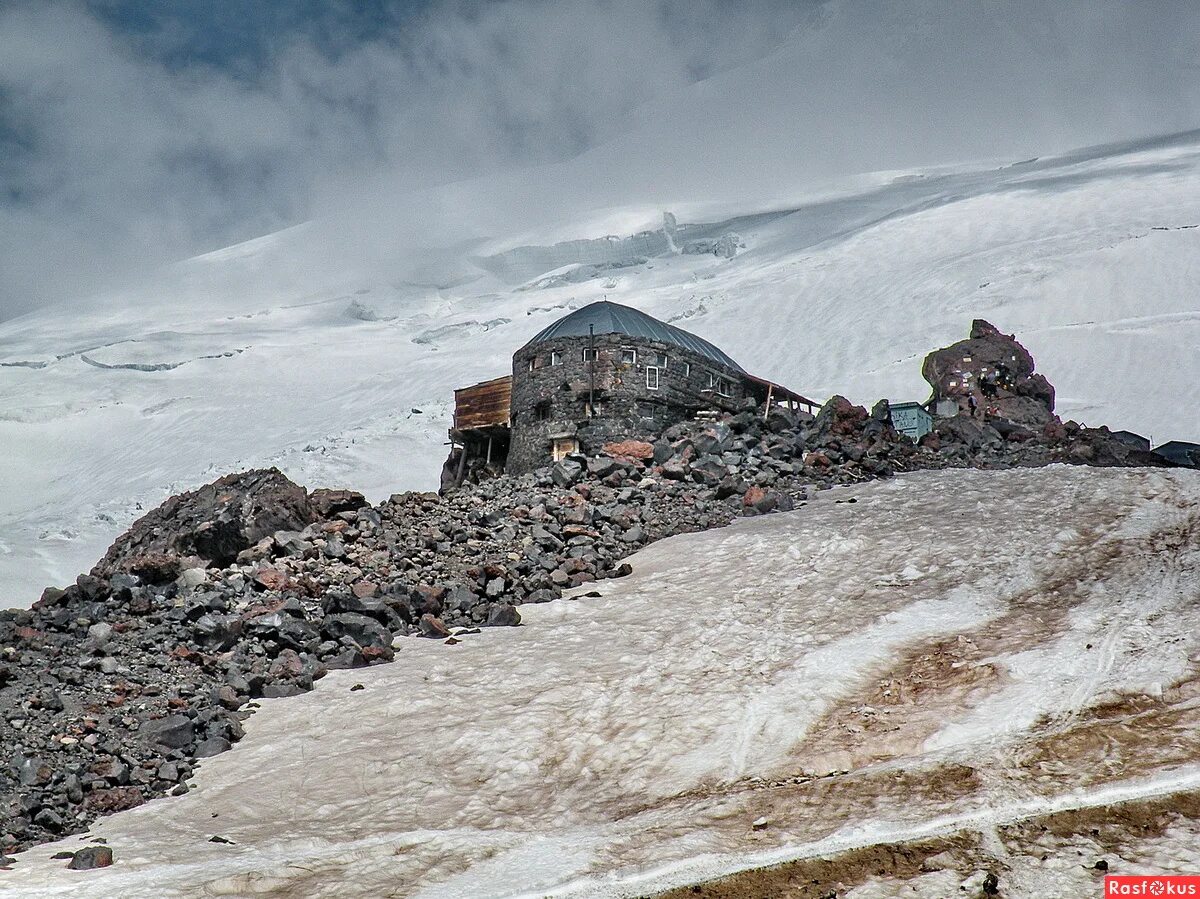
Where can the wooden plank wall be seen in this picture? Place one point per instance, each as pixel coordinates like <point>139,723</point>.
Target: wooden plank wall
<point>481,405</point>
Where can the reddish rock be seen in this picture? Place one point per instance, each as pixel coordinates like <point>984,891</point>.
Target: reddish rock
<point>116,799</point>
<point>270,579</point>
<point>364,589</point>
<point>630,450</point>
<point>989,375</point>
<point>817,459</point>
<point>154,567</point>
<point>839,417</point>
<point>427,599</point>
<point>433,627</point>
<point>753,496</point>
<point>287,666</point>
<point>373,654</point>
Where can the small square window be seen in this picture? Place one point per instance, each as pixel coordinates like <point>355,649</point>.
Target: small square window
<point>590,355</point>
<point>628,356</point>
<point>651,377</point>
<point>556,358</point>
<point>660,360</point>
<point>682,368</point>
<point>533,363</point>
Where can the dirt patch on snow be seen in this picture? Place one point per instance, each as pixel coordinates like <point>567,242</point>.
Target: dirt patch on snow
<point>1120,834</point>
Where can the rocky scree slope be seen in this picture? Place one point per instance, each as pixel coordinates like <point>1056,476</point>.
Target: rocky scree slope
<point>112,689</point>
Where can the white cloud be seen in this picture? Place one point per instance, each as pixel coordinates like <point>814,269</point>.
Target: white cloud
<point>130,163</point>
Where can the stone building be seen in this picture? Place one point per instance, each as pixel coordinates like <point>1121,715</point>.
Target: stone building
<point>603,373</point>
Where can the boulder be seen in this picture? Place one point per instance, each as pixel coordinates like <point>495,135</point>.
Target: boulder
<point>171,732</point>
<point>361,629</point>
<point>566,472</point>
<point>839,418</point>
<point>504,615</point>
<point>91,857</point>
<point>990,375</point>
<point>327,503</point>
<point>214,523</point>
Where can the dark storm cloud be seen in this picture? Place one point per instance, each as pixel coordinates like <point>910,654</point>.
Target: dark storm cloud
<point>131,137</point>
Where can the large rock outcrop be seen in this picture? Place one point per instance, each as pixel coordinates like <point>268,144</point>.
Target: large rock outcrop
<point>212,524</point>
<point>989,375</point>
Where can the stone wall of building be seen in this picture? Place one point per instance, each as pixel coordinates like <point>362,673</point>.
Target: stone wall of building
<point>551,382</point>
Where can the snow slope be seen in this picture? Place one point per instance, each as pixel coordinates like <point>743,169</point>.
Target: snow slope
<point>955,651</point>
<point>275,353</point>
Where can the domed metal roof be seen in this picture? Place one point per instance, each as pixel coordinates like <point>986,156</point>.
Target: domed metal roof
<point>613,318</point>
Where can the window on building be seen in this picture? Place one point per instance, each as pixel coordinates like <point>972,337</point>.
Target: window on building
<point>563,447</point>
<point>532,363</point>
<point>556,358</point>
<point>660,360</point>
<point>681,368</point>
<point>541,410</point>
<point>590,355</point>
<point>719,385</point>
<point>651,377</point>
<point>628,356</point>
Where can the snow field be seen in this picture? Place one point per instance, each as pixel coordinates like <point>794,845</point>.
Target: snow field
<point>854,672</point>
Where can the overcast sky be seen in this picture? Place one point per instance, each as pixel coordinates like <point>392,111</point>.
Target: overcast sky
<point>135,132</point>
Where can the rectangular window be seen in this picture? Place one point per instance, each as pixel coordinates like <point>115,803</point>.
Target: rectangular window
<point>533,363</point>
<point>719,385</point>
<point>660,360</point>
<point>682,368</point>
<point>541,411</point>
<point>556,358</point>
<point>590,355</point>
<point>651,377</point>
<point>628,356</point>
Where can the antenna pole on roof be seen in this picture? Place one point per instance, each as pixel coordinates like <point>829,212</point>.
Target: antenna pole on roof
<point>591,370</point>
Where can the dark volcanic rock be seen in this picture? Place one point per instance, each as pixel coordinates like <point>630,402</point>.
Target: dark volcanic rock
<point>172,732</point>
<point>328,503</point>
<point>91,857</point>
<point>214,523</point>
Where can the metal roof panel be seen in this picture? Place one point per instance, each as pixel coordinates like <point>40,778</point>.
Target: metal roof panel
<point>613,318</point>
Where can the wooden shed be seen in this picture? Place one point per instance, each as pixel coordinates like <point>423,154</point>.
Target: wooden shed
<point>483,405</point>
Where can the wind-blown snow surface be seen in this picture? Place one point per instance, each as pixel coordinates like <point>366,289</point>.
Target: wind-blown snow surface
<point>255,355</point>
<point>955,650</point>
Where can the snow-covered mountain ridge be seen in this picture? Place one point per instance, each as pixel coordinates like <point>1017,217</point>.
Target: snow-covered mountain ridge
<point>249,356</point>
